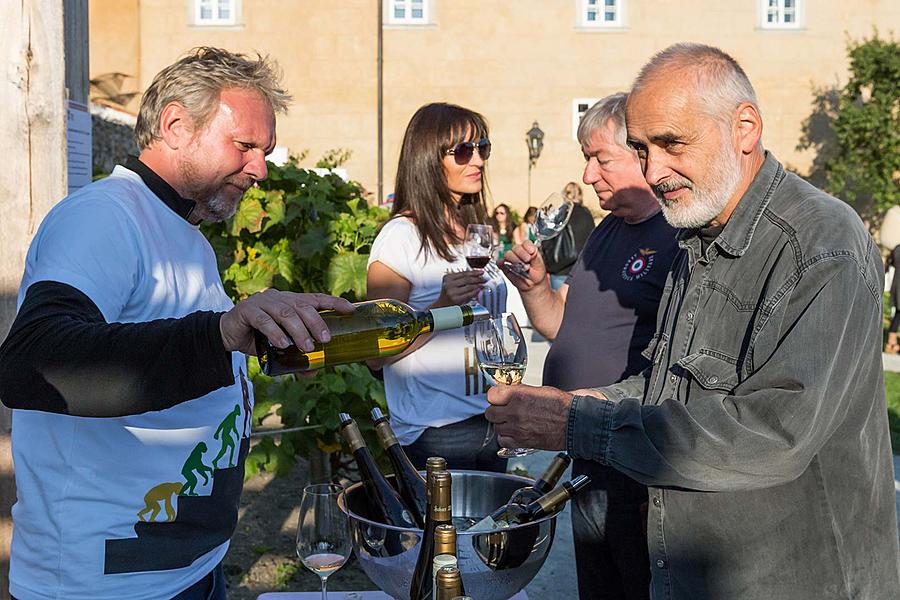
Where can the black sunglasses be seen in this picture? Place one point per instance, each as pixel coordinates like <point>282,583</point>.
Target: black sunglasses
<point>463,151</point>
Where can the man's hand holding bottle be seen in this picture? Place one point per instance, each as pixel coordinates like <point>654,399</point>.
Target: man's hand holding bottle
<point>284,317</point>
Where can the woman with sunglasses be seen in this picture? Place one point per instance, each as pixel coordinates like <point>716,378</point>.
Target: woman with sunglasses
<point>435,393</point>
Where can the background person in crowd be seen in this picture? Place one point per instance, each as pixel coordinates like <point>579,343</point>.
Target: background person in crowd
<point>126,355</point>
<point>561,251</point>
<point>504,224</point>
<point>612,294</point>
<point>760,429</point>
<point>526,230</point>
<point>893,260</point>
<point>435,392</point>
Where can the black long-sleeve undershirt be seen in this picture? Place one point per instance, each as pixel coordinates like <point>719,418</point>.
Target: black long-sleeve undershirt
<point>62,356</point>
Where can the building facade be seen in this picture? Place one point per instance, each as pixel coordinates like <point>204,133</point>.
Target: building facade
<point>515,62</point>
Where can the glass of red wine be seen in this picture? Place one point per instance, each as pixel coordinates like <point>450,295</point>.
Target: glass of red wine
<point>478,246</point>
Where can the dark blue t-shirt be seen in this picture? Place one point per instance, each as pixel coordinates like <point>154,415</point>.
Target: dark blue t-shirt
<point>610,312</point>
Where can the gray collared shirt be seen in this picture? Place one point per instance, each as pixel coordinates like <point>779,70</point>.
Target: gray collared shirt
<point>761,426</point>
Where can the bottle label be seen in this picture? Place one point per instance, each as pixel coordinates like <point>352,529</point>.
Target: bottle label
<point>486,524</point>
<point>449,317</point>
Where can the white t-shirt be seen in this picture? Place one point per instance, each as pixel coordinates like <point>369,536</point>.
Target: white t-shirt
<point>99,513</point>
<point>440,382</point>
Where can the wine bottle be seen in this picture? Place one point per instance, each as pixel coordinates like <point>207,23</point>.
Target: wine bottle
<point>377,329</point>
<point>410,484</point>
<point>432,464</point>
<point>385,504</point>
<point>449,583</point>
<point>516,514</point>
<point>545,483</point>
<point>439,513</point>
<point>445,552</point>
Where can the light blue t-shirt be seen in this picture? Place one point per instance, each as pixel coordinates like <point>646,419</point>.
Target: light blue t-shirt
<point>114,508</point>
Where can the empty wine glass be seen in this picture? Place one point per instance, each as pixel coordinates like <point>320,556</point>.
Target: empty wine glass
<point>551,218</point>
<point>478,245</point>
<point>323,533</point>
<point>502,356</point>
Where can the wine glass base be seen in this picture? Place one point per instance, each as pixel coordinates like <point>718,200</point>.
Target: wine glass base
<point>515,452</point>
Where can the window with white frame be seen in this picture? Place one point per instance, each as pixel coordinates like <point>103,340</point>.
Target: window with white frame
<point>407,12</point>
<point>215,12</point>
<point>781,14</point>
<point>601,13</point>
<point>579,107</point>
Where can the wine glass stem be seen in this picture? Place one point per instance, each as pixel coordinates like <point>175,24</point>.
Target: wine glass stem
<point>324,590</point>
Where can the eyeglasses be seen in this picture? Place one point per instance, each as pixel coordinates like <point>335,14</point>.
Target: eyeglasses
<point>463,151</point>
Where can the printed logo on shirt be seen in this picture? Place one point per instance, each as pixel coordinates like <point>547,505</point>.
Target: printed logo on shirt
<point>196,520</point>
<point>638,264</point>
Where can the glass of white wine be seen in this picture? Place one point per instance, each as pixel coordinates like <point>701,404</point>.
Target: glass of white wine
<point>502,355</point>
<point>323,534</point>
<point>552,217</point>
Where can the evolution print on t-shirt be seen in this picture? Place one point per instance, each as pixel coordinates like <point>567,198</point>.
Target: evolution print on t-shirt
<point>638,264</point>
<point>176,524</point>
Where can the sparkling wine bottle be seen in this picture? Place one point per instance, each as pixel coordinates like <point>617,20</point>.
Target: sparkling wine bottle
<point>449,583</point>
<point>545,483</point>
<point>444,552</point>
<point>516,514</point>
<point>385,504</point>
<point>439,513</point>
<point>410,484</point>
<point>377,329</point>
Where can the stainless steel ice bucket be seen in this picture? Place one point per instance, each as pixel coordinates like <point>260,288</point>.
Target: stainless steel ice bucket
<point>494,565</point>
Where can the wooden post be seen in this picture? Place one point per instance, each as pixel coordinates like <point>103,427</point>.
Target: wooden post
<point>33,129</point>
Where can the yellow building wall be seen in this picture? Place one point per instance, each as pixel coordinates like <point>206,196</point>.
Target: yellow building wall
<point>515,62</point>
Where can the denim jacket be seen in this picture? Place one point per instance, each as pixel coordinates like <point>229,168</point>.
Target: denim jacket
<point>760,426</point>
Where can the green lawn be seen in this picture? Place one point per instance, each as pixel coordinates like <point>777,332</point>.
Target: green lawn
<point>892,390</point>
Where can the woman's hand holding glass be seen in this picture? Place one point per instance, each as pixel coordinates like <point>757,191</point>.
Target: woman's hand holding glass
<point>502,356</point>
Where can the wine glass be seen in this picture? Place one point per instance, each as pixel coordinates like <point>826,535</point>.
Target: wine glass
<point>552,217</point>
<point>478,245</point>
<point>502,355</point>
<point>323,533</point>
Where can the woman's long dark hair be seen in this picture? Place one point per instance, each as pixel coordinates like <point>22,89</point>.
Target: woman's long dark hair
<point>421,190</point>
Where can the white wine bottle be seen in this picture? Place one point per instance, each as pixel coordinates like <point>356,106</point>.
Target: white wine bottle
<point>449,584</point>
<point>408,482</point>
<point>445,552</point>
<point>439,513</point>
<point>516,514</point>
<point>377,329</point>
<point>385,504</point>
<point>546,482</point>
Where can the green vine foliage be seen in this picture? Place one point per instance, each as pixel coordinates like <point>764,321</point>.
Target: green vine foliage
<point>302,232</point>
<point>860,148</point>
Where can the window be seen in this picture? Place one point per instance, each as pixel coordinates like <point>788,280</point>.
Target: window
<point>215,12</point>
<point>407,12</point>
<point>601,13</point>
<point>579,107</point>
<point>781,14</point>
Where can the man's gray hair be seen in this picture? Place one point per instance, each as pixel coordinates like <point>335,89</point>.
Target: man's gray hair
<point>610,108</point>
<point>197,80</point>
<point>719,78</point>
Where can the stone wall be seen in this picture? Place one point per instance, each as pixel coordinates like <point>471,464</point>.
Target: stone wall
<point>113,138</point>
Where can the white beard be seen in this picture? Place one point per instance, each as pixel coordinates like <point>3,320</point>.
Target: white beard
<point>704,205</point>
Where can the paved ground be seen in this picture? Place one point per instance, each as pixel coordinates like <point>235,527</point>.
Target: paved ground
<point>557,578</point>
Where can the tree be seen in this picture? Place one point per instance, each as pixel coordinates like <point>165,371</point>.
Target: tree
<point>862,166</point>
